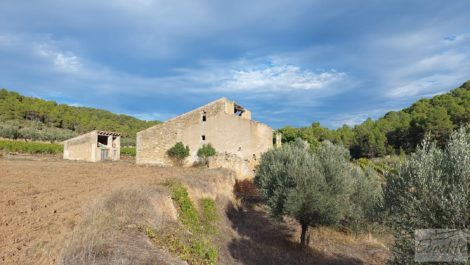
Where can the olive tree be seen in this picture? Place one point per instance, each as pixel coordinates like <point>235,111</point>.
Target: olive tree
<point>431,189</point>
<point>366,197</point>
<point>314,187</point>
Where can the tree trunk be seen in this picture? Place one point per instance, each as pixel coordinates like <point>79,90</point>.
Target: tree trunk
<point>303,235</point>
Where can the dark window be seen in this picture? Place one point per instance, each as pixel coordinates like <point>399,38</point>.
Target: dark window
<point>204,116</point>
<point>102,139</point>
<point>203,137</point>
<point>238,110</point>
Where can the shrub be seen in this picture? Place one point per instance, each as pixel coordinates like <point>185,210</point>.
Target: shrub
<point>178,152</point>
<point>128,141</point>
<point>9,130</point>
<point>34,131</point>
<point>206,151</point>
<point>246,191</point>
<point>128,151</point>
<point>429,190</point>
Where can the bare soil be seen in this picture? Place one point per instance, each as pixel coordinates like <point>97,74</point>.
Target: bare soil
<point>42,200</point>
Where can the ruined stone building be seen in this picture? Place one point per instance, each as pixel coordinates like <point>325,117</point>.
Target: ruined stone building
<point>222,123</point>
<point>93,146</point>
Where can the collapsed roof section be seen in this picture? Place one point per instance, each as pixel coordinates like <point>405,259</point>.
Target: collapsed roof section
<point>105,133</point>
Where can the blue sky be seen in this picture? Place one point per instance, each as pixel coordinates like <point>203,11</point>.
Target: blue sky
<point>290,62</point>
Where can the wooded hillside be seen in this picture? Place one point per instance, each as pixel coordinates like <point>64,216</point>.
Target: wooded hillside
<point>394,133</point>
<point>37,119</point>
<point>397,131</point>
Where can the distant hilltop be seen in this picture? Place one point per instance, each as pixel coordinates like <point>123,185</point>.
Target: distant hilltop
<point>24,117</point>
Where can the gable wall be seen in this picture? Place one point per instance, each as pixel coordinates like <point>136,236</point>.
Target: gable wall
<point>81,147</point>
<point>225,131</point>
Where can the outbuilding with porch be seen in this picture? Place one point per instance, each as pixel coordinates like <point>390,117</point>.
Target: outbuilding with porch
<point>93,147</point>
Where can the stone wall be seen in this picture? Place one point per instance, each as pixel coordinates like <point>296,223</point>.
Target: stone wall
<point>226,132</point>
<point>242,168</point>
<point>81,147</point>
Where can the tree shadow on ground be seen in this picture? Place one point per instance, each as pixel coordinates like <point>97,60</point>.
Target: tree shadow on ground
<point>263,241</point>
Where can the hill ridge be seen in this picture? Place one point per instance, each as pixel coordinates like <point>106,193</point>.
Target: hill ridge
<point>38,119</point>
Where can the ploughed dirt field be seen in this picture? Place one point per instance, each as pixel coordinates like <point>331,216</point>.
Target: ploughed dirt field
<point>42,201</point>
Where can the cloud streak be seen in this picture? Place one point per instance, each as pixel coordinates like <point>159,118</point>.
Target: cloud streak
<point>66,62</point>
<point>280,78</point>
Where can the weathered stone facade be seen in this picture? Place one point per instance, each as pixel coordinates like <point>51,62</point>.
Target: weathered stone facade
<point>242,168</point>
<point>224,124</point>
<point>93,146</point>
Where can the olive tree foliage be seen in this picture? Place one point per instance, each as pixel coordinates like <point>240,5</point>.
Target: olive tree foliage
<point>35,131</point>
<point>431,189</point>
<point>314,187</point>
<point>367,196</point>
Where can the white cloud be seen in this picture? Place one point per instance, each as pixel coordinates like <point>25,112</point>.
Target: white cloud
<point>161,116</point>
<point>67,62</point>
<point>261,75</point>
<point>418,87</point>
<point>279,78</point>
<point>426,86</point>
<point>424,64</point>
<point>246,80</point>
<point>432,63</point>
<point>355,118</point>
<point>429,75</point>
<point>75,105</point>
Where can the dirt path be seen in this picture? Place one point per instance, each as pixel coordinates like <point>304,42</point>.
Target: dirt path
<point>41,201</point>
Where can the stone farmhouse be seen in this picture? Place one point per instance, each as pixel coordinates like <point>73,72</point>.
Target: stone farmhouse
<point>224,124</point>
<point>93,147</point>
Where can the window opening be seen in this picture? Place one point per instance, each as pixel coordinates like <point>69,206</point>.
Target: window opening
<point>238,110</point>
<point>204,118</point>
<point>103,140</point>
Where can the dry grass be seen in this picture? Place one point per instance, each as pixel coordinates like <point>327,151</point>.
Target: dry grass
<point>260,240</point>
<point>114,229</point>
<point>111,230</point>
<point>263,241</point>
<point>368,248</point>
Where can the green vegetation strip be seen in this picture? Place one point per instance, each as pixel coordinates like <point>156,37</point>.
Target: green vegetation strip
<point>129,151</point>
<point>381,167</point>
<point>30,148</point>
<point>195,247</point>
